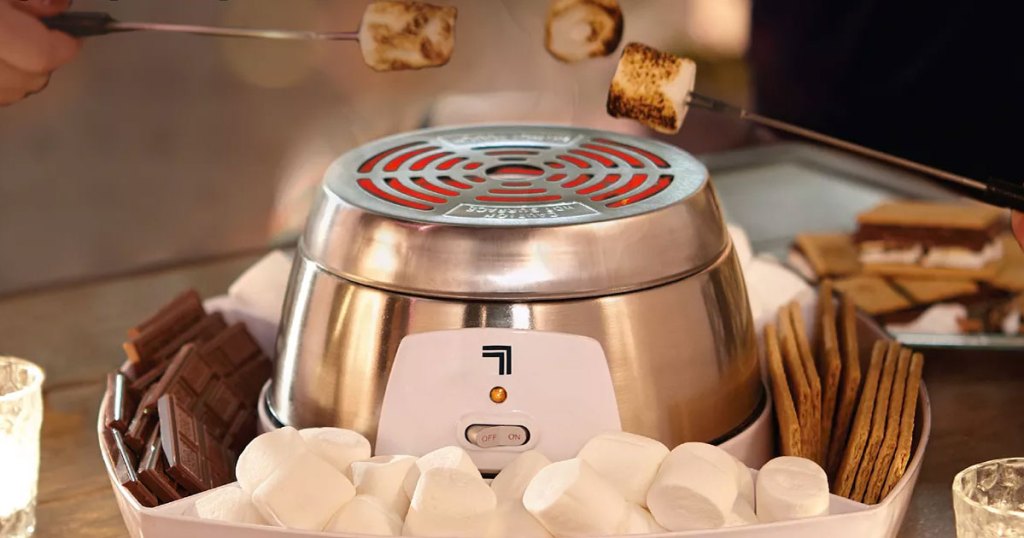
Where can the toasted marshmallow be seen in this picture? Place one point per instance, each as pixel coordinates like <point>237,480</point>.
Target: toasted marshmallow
<point>581,29</point>
<point>511,482</point>
<point>383,477</point>
<point>406,35</point>
<point>450,503</point>
<point>449,457</point>
<point>570,499</point>
<point>791,488</point>
<point>337,446</point>
<point>651,87</point>
<point>365,515</point>
<point>627,461</point>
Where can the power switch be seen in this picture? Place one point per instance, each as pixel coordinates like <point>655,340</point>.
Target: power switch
<point>492,435</point>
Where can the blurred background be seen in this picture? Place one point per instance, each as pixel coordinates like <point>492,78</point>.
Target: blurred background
<point>152,150</point>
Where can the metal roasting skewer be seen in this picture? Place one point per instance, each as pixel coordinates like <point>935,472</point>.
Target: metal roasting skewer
<point>1000,193</point>
<point>86,24</point>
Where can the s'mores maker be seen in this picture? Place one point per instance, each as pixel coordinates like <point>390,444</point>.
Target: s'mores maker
<point>504,288</point>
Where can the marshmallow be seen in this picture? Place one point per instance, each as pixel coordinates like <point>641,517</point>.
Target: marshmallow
<point>511,520</point>
<point>696,488</point>
<point>450,503</point>
<point>406,35</point>
<point>744,483</point>
<point>742,514</point>
<point>789,487</point>
<point>449,457</point>
<point>304,494</point>
<point>581,29</point>
<point>229,503</point>
<point>651,87</point>
<point>640,521</point>
<point>511,482</point>
<point>365,515</point>
<point>337,446</point>
<point>383,477</point>
<point>265,454</point>
<point>261,288</point>
<point>627,461</point>
<point>571,499</point>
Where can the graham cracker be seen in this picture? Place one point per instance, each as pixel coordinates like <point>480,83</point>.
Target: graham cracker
<point>798,384</point>
<point>892,431</point>
<point>872,294</point>
<point>796,318</point>
<point>830,255</point>
<point>859,430</point>
<point>829,365</point>
<point>849,385</point>
<point>988,272</point>
<point>785,411</point>
<point>930,291</point>
<point>878,417</point>
<point>906,437</point>
<point>922,214</point>
<point>1010,276</point>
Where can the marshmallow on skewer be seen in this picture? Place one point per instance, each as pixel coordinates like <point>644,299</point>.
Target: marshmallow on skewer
<point>365,515</point>
<point>511,482</point>
<point>304,494</point>
<point>651,87</point>
<point>265,454</point>
<point>383,477</point>
<point>581,29</point>
<point>571,499</point>
<point>511,520</point>
<point>696,488</point>
<point>450,503</point>
<point>627,461</point>
<point>406,35</point>
<point>229,503</point>
<point>640,521</point>
<point>337,446</point>
<point>449,457</point>
<point>789,487</point>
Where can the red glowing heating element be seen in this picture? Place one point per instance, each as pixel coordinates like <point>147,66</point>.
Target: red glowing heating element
<point>426,177</point>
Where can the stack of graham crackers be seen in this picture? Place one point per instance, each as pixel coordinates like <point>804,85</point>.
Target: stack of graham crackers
<point>858,426</point>
<point>909,255</point>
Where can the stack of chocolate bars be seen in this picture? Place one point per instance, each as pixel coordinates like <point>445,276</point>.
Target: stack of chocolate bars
<point>183,406</point>
<point>909,255</point>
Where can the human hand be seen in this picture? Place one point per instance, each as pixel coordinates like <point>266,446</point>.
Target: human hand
<point>1018,227</point>
<point>29,52</point>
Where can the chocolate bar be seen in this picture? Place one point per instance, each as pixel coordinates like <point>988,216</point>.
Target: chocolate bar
<point>217,409</point>
<point>195,459</point>
<point>230,350</point>
<point>186,378</point>
<point>249,380</point>
<point>143,382</point>
<point>120,407</point>
<point>144,347</point>
<point>139,430</point>
<point>124,470</point>
<point>186,306</point>
<point>207,329</point>
<point>153,471</point>
<point>241,431</point>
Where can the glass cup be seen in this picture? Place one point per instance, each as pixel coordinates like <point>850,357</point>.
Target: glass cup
<point>21,416</point>
<point>988,499</point>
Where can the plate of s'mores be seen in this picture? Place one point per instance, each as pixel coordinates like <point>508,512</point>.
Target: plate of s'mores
<point>923,267</point>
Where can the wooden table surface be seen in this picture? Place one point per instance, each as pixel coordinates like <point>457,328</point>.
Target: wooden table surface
<point>75,334</point>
